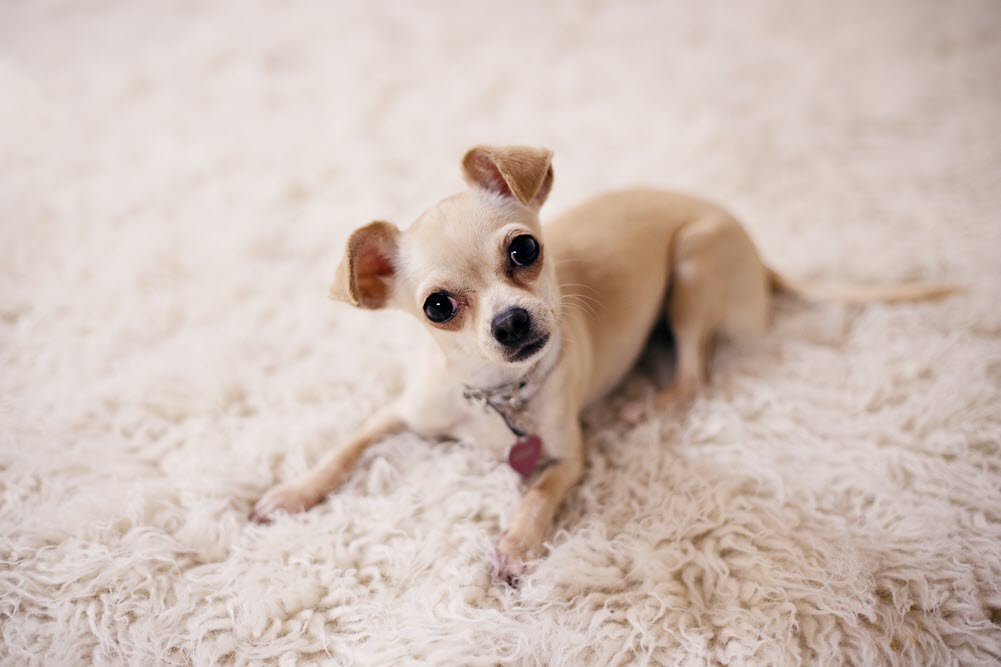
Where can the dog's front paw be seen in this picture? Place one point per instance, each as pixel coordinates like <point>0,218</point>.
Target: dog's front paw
<point>290,497</point>
<point>513,553</point>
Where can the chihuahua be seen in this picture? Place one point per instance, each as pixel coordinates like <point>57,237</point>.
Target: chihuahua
<point>527,329</point>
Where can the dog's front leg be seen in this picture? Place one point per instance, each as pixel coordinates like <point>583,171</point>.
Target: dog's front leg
<point>533,518</point>
<point>311,488</point>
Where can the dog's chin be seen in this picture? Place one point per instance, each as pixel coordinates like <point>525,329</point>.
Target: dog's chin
<point>528,351</point>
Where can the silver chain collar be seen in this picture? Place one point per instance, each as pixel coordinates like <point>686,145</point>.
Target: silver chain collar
<point>508,395</point>
<point>512,397</point>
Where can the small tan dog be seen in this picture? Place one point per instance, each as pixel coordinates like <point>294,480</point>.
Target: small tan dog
<point>527,330</point>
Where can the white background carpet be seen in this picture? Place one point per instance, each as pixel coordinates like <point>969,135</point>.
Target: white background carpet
<point>176,183</point>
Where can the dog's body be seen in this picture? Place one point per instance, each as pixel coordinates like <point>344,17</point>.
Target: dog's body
<point>568,318</point>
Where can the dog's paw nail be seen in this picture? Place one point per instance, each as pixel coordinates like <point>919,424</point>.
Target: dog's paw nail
<point>284,497</point>
<point>508,571</point>
<point>259,515</point>
<point>512,556</point>
<point>261,511</point>
<point>633,413</point>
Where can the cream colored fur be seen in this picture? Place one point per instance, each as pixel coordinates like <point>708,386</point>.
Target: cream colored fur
<point>605,273</point>
<point>177,182</point>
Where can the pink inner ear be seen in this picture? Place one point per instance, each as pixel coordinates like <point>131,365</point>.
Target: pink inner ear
<point>371,265</point>
<point>371,262</point>
<point>488,175</point>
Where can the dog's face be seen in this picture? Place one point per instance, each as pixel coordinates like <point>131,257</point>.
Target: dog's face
<point>472,268</point>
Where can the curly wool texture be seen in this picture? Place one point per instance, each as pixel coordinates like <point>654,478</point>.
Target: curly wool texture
<point>177,180</point>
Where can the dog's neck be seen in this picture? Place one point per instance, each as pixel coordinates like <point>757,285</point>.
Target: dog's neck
<point>509,400</point>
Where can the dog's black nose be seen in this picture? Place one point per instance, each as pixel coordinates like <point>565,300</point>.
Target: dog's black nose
<point>511,327</point>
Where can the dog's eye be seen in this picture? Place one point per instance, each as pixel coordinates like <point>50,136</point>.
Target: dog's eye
<point>439,307</point>
<point>523,250</point>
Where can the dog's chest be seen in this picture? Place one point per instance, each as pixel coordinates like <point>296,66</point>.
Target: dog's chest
<point>446,413</point>
<point>485,429</point>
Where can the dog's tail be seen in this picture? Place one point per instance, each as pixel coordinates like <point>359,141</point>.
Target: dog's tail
<point>868,293</point>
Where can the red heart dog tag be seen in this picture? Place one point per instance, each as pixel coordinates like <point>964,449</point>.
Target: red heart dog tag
<point>524,455</point>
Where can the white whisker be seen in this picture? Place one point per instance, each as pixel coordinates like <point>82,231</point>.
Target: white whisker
<point>577,300</point>
<point>581,307</point>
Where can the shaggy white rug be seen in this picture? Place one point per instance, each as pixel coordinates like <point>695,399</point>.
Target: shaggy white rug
<point>176,183</point>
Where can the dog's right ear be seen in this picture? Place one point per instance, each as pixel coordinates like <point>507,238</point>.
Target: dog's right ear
<point>365,276</point>
<point>520,172</point>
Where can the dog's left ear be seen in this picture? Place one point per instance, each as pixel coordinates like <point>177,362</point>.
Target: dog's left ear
<point>365,276</point>
<point>521,172</point>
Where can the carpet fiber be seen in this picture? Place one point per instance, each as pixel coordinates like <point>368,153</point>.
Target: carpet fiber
<point>177,181</point>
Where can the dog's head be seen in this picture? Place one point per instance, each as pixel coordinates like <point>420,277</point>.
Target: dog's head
<point>473,267</point>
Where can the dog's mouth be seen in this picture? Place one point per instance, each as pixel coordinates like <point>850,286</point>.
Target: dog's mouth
<point>529,350</point>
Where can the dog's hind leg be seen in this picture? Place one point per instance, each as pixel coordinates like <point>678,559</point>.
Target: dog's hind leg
<point>718,284</point>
